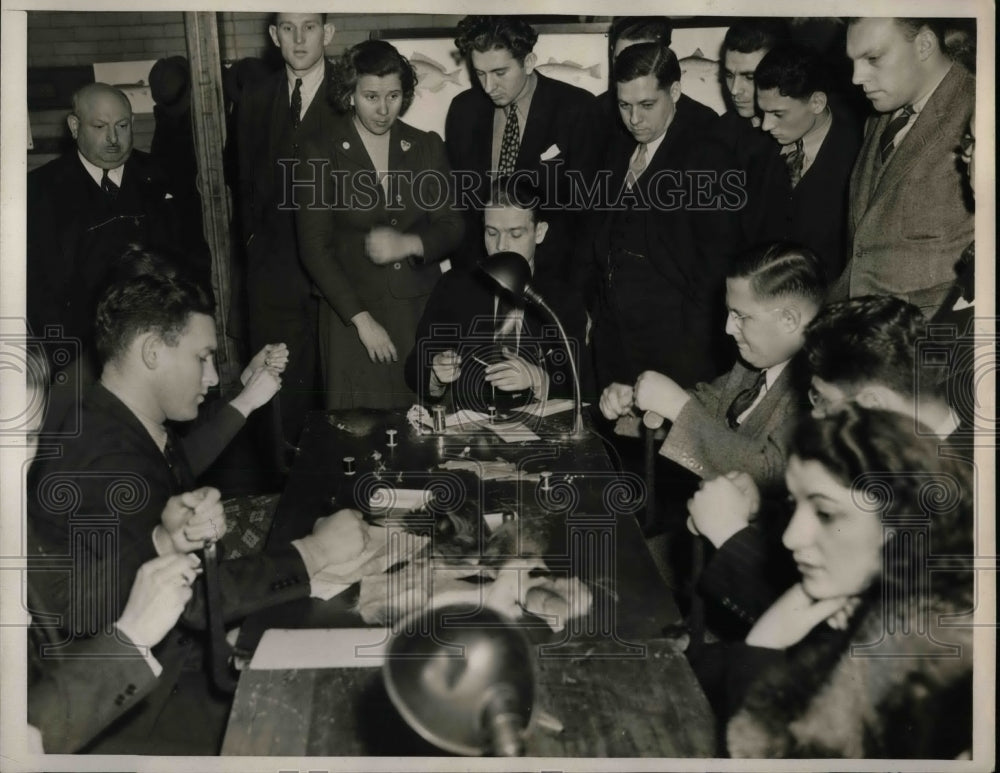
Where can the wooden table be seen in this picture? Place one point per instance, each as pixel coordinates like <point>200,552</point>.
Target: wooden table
<point>617,686</point>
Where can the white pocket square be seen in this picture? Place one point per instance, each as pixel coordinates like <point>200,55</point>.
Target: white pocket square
<point>552,152</point>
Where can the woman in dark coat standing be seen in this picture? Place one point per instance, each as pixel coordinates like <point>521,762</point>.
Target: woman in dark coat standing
<point>373,236</point>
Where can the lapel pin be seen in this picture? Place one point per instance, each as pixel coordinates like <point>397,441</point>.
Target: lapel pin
<point>346,145</point>
<point>404,145</point>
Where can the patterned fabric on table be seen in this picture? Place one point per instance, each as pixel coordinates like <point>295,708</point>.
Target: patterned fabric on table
<point>248,520</point>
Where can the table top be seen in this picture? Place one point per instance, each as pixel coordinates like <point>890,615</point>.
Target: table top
<point>621,689</point>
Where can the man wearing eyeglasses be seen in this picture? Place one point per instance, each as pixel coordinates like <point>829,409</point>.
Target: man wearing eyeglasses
<point>738,421</point>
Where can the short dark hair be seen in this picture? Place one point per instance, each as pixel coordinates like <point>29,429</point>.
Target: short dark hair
<point>488,33</point>
<point>871,339</point>
<point>795,70</point>
<point>658,28</point>
<point>515,191</point>
<point>648,59</point>
<point>780,270</point>
<point>754,34</point>
<point>144,303</point>
<point>273,19</point>
<point>369,57</point>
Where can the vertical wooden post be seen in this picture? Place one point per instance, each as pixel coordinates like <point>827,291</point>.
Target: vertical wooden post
<point>209,117</point>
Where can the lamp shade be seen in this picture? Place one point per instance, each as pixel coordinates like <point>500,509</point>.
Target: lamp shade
<point>462,676</point>
<point>509,270</point>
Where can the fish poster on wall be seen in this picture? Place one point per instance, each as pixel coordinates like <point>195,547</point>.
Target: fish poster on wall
<point>577,58</point>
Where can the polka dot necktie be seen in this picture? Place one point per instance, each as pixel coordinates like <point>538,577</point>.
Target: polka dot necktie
<point>510,144</point>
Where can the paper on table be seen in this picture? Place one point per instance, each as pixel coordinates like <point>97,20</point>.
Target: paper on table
<point>386,499</point>
<point>281,648</point>
<point>547,408</point>
<point>386,546</point>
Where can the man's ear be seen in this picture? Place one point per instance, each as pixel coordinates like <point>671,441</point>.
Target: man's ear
<point>150,346</point>
<point>818,102</point>
<point>328,31</point>
<point>74,124</point>
<point>541,228</point>
<point>272,30</point>
<point>791,318</point>
<point>675,91</point>
<point>530,60</point>
<point>925,42</point>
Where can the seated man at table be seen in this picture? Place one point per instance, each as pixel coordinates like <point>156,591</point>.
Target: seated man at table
<point>476,346</point>
<point>739,421</point>
<point>864,351</point>
<point>132,499</point>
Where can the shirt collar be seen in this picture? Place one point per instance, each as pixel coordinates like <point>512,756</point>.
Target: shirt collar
<point>921,103</point>
<point>156,430</point>
<point>652,147</point>
<point>96,173</point>
<point>771,374</point>
<point>813,139</point>
<point>311,79</point>
<point>523,100</point>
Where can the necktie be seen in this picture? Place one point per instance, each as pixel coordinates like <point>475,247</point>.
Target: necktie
<point>505,325</point>
<point>174,463</point>
<point>795,159</point>
<point>744,400</point>
<point>108,186</point>
<point>887,142</point>
<point>509,145</point>
<point>638,164</point>
<point>295,108</point>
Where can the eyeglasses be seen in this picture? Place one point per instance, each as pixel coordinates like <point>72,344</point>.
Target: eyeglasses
<point>740,318</point>
<point>966,148</point>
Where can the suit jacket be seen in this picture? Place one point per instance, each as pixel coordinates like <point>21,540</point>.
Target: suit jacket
<point>75,236</point>
<point>815,211</point>
<point>333,225</point>
<point>275,274</point>
<point>758,156</point>
<point>701,441</point>
<point>907,220</point>
<point>562,118</point>
<point>460,315</point>
<point>663,311</point>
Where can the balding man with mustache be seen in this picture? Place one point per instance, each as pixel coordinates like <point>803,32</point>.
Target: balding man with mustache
<point>84,209</point>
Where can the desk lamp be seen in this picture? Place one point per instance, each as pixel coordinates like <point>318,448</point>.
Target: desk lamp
<point>511,272</point>
<point>462,677</point>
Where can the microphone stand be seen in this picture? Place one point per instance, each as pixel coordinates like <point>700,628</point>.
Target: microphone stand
<point>534,297</point>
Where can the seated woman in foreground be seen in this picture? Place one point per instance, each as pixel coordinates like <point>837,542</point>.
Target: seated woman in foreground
<point>870,654</point>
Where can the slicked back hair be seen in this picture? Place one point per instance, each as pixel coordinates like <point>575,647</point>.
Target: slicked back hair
<point>795,70</point>
<point>782,270</point>
<point>754,34</point>
<point>648,59</point>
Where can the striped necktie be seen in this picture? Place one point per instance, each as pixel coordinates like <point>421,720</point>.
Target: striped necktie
<point>887,142</point>
<point>795,160</point>
<point>637,165</point>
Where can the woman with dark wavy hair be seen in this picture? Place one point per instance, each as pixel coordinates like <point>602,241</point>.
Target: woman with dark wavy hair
<point>858,659</point>
<point>381,221</point>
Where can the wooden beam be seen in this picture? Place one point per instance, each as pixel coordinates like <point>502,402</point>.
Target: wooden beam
<point>209,117</point>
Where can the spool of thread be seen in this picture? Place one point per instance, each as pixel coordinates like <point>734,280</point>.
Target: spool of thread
<point>546,476</point>
<point>390,438</point>
<point>349,465</point>
<point>440,420</point>
<point>492,410</point>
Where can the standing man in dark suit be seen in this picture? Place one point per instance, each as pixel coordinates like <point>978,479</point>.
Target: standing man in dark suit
<point>517,120</point>
<point>662,249</point>
<point>84,208</point>
<point>626,31</point>
<point>908,222</point>
<point>278,119</point>
<point>745,44</point>
<point>819,140</point>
